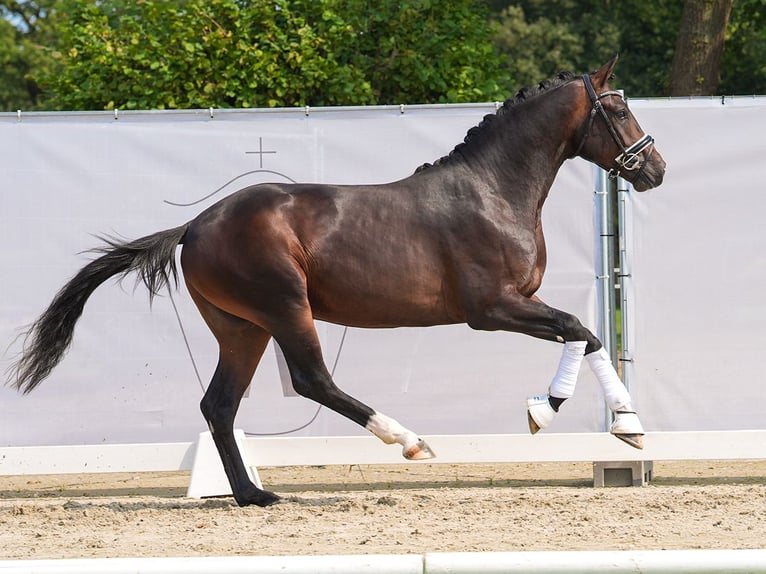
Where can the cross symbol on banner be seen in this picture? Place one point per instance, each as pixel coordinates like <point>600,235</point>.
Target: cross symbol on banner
<point>260,151</point>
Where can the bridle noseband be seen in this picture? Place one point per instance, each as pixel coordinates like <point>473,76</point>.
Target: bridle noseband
<point>629,159</point>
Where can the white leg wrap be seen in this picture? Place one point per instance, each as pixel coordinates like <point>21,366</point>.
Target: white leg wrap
<point>615,393</point>
<point>563,384</point>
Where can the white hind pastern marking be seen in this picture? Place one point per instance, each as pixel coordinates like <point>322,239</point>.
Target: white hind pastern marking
<point>390,431</point>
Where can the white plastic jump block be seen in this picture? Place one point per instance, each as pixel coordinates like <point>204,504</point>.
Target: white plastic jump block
<point>622,473</point>
<point>208,478</point>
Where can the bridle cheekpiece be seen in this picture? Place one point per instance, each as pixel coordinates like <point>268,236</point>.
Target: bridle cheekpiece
<point>630,157</point>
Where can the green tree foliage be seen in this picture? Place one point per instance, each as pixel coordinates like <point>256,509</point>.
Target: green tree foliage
<point>541,37</point>
<point>535,49</point>
<point>193,54</point>
<point>11,74</point>
<point>83,54</point>
<point>744,58</point>
<point>425,50</point>
<point>255,53</point>
<point>25,35</point>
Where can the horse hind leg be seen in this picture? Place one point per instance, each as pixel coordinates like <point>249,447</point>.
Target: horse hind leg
<point>241,346</point>
<point>219,407</point>
<point>300,345</point>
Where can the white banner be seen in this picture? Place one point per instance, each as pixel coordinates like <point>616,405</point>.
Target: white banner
<point>698,268</point>
<point>131,375</point>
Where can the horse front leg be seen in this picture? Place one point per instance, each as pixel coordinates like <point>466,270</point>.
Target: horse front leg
<point>626,425</point>
<point>529,315</point>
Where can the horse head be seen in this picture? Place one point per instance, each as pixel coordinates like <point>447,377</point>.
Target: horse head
<point>611,136</point>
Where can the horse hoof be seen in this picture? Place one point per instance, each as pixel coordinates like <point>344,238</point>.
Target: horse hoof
<point>262,498</point>
<point>634,440</point>
<point>627,428</point>
<point>533,428</point>
<point>268,499</point>
<point>419,451</point>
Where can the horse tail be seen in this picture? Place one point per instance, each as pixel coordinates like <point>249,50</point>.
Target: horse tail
<point>47,339</point>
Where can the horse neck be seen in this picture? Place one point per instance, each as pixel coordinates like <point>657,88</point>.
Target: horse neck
<point>525,149</point>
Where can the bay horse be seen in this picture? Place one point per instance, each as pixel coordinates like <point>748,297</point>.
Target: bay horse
<point>458,241</point>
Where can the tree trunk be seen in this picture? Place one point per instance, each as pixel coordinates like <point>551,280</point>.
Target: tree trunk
<point>697,60</point>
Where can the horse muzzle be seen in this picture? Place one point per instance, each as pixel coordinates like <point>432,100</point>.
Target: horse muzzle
<point>648,173</point>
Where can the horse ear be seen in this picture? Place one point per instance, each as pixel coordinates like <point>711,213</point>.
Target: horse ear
<point>601,76</point>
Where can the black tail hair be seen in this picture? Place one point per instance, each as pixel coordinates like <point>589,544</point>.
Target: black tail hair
<point>48,338</point>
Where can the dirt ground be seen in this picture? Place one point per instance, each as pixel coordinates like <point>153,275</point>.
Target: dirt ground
<point>387,509</point>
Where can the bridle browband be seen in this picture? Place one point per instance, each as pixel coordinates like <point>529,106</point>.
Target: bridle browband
<point>629,159</point>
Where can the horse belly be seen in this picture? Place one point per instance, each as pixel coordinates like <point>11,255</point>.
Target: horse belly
<point>396,297</point>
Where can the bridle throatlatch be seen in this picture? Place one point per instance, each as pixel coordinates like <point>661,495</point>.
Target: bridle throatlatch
<point>630,157</point>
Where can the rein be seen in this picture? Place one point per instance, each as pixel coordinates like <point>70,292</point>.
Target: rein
<point>629,159</point>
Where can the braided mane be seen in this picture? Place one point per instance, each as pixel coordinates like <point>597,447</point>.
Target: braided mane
<point>521,96</point>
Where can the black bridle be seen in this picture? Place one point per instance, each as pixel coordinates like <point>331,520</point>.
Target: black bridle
<point>630,157</point>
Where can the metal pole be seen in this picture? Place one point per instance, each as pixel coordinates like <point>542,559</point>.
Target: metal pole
<point>624,276</point>
<point>605,201</point>
<point>606,192</point>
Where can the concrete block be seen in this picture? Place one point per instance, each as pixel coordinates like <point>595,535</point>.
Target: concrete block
<point>622,473</point>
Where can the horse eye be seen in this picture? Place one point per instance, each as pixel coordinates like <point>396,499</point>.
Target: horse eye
<point>622,115</point>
